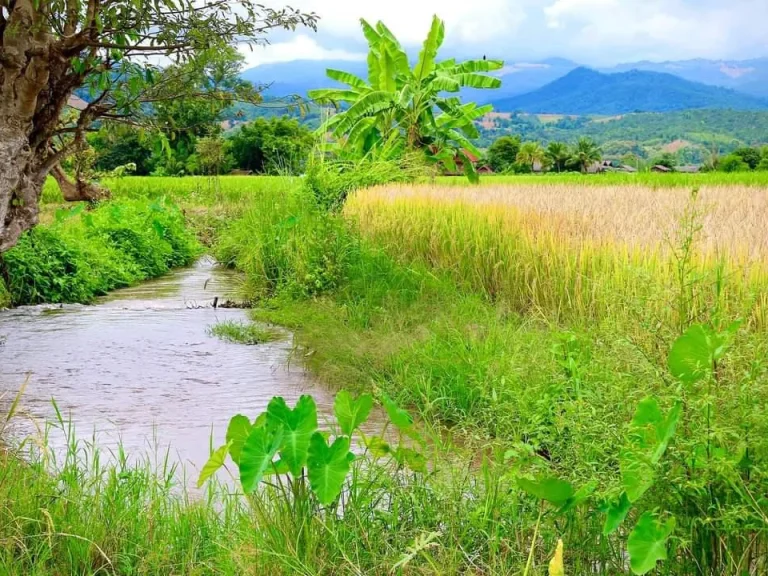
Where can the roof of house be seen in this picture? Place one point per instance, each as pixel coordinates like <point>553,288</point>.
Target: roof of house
<point>691,169</point>
<point>660,168</point>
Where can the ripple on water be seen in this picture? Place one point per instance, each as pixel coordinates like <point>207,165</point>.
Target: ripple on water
<point>139,368</point>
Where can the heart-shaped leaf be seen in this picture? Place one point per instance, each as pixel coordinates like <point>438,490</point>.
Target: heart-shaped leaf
<point>328,466</point>
<point>665,430</point>
<point>237,432</point>
<point>637,474</point>
<point>399,417</point>
<point>258,452</point>
<point>351,413</point>
<point>215,462</point>
<point>647,544</point>
<point>581,496</point>
<point>691,357</point>
<point>378,446</point>
<point>550,489</point>
<point>616,514</point>
<point>298,426</point>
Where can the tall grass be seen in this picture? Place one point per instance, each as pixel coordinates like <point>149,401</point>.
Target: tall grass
<point>589,254</point>
<point>83,253</point>
<point>647,179</point>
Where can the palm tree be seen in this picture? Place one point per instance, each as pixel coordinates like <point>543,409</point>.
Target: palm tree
<point>400,109</point>
<point>586,153</point>
<point>558,154</point>
<point>531,153</point>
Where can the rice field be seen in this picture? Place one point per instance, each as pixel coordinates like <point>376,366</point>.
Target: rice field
<point>583,252</point>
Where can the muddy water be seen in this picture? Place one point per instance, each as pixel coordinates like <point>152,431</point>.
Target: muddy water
<point>139,368</point>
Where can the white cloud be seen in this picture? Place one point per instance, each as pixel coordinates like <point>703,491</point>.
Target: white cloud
<point>595,32</point>
<point>299,47</point>
<point>470,22</point>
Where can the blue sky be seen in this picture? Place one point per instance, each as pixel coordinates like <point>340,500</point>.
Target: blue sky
<point>595,32</point>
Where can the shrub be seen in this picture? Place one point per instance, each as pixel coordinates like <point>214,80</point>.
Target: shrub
<point>84,254</point>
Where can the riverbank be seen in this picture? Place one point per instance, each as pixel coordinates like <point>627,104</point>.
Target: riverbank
<point>599,425</point>
<point>82,253</point>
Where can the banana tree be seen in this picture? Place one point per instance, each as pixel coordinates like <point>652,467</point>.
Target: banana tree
<point>402,108</point>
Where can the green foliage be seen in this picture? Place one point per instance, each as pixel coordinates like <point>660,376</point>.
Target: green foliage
<point>732,163</point>
<point>330,183</point>
<point>531,154</point>
<point>667,159</point>
<point>351,412</point>
<point>304,452</point>
<point>647,544</point>
<point>585,154</point>
<point>5,296</point>
<point>558,154</point>
<point>328,466</point>
<point>286,245</point>
<point>394,112</point>
<point>250,333</point>
<point>84,254</point>
<point>274,146</point>
<point>502,154</point>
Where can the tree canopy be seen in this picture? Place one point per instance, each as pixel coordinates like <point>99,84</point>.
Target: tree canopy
<point>124,56</point>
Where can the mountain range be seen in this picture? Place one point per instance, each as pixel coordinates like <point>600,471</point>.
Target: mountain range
<point>584,91</point>
<point>673,85</point>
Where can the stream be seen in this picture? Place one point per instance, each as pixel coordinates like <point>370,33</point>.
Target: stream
<point>138,368</point>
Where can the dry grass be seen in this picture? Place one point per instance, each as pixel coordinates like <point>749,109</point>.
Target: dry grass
<point>578,251</point>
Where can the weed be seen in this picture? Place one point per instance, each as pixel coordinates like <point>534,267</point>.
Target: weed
<point>249,333</point>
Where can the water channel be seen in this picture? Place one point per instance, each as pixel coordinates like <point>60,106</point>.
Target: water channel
<point>138,367</point>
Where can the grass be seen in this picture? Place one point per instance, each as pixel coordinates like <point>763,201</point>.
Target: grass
<point>647,179</point>
<point>525,323</point>
<point>81,254</point>
<point>592,254</point>
<point>250,333</point>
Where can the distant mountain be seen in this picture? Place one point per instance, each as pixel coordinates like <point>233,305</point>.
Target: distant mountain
<point>520,77</point>
<point>300,76</point>
<point>748,76</point>
<point>586,91</point>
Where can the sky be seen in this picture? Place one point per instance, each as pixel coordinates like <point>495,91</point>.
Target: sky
<point>592,32</point>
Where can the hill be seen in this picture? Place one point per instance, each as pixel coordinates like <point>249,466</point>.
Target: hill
<point>747,76</point>
<point>586,91</point>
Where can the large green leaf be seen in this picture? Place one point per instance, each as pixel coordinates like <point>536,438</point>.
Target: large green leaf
<point>665,430</point>
<point>298,426</point>
<point>550,489</point>
<point>215,462</point>
<point>258,452</point>
<point>473,66</point>
<point>328,466</point>
<point>616,514</point>
<point>386,72</point>
<point>370,33</point>
<point>333,95</point>
<point>237,432</point>
<point>426,63</point>
<point>637,474</point>
<point>647,544</point>
<point>399,417</point>
<point>352,412</point>
<point>691,357</point>
<point>346,78</point>
<point>368,105</point>
<point>479,81</point>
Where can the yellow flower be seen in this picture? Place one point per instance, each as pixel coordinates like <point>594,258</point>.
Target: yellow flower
<point>556,564</point>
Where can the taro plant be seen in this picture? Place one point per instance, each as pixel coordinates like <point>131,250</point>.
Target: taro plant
<point>693,360</point>
<point>311,464</point>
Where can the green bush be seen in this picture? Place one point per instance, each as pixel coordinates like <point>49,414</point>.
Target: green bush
<point>285,244</point>
<point>84,254</point>
<point>329,183</point>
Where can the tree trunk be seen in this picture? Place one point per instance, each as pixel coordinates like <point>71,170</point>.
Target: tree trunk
<point>20,187</point>
<point>79,190</point>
